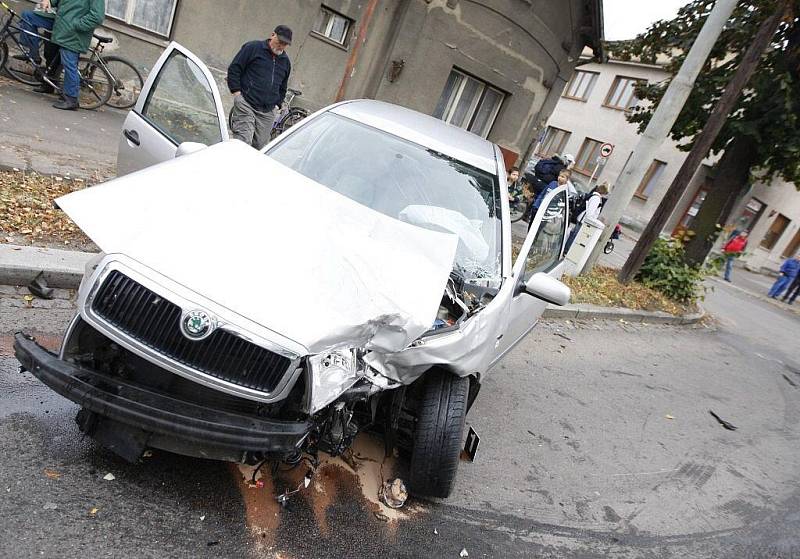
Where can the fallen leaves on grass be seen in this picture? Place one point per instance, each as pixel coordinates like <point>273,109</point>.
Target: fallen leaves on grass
<point>601,287</point>
<point>26,208</point>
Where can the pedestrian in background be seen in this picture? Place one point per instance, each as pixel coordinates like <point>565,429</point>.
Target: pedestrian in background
<point>788,273</point>
<point>593,206</point>
<point>793,289</point>
<point>75,23</point>
<point>563,178</point>
<point>258,78</point>
<point>732,250</point>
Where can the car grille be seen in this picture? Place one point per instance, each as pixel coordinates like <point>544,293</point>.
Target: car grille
<point>155,322</point>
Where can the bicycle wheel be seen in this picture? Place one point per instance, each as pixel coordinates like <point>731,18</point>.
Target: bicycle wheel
<point>96,86</point>
<point>3,55</point>
<point>609,248</point>
<point>127,80</point>
<point>21,70</point>
<point>294,116</point>
<point>517,210</point>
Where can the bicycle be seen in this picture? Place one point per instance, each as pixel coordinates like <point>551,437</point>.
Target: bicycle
<point>288,116</point>
<point>96,83</point>
<point>127,81</point>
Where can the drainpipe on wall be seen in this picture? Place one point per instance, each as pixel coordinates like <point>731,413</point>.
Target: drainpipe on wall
<point>353,58</point>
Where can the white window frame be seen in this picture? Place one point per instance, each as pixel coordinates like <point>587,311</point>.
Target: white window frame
<point>131,9</point>
<point>332,15</point>
<point>452,104</point>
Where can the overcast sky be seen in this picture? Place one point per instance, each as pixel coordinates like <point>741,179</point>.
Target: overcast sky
<point>624,19</point>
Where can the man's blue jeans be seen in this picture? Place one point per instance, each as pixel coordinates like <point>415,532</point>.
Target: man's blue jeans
<point>32,22</point>
<point>780,284</point>
<point>729,267</point>
<point>72,79</point>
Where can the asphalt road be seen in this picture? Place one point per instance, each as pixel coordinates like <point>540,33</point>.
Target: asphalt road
<point>36,137</point>
<point>596,441</point>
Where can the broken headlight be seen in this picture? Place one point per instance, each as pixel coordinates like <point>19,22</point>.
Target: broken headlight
<point>331,374</point>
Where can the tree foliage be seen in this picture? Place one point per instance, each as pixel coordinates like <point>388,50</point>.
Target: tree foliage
<point>769,109</point>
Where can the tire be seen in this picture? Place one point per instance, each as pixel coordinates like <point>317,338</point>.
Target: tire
<point>96,85</point>
<point>609,248</point>
<point>127,80</point>
<point>3,56</point>
<point>20,70</point>
<point>438,434</point>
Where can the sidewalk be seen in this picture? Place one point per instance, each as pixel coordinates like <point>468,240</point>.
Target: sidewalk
<point>36,137</point>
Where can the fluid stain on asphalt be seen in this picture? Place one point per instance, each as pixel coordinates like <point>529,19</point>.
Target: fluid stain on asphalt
<point>343,492</point>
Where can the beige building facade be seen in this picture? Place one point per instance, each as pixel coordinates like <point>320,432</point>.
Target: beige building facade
<point>592,112</point>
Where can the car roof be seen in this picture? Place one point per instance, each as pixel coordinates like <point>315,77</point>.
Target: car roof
<point>424,130</point>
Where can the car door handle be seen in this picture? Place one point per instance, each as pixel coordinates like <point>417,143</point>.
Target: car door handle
<point>133,136</point>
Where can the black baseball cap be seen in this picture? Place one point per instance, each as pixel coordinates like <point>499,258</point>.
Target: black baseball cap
<point>284,34</point>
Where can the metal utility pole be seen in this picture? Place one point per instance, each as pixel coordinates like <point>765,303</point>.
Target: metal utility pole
<point>703,142</point>
<point>660,124</point>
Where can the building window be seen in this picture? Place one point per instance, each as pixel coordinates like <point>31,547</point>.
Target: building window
<point>469,103</point>
<point>793,246</point>
<point>151,15</point>
<point>332,25</point>
<point>622,95</point>
<point>651,179</point>
<point>775,231</point>
<point>587,156</point>
<point>581,85</point>
<point>553,142</point>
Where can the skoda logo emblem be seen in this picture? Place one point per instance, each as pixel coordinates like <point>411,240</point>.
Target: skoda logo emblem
<point>196,325</point>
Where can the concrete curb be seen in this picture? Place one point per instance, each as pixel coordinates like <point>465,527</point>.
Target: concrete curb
<point>587,312</point>
<point>62,268</point>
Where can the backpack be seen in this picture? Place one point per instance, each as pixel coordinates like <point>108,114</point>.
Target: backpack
<point>577,205</point>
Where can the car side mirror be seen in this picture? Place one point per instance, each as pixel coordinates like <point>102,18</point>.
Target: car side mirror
<point>548,289</point>
<point>189,147</point>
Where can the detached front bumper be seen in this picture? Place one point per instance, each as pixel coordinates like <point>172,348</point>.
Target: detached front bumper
<point>141,418</point>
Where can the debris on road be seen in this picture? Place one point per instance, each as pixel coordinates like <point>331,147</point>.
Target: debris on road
<point>729,426</point>
<point>50,506</point>
<point>93,512</point>
<point>283,498</point>
<point>382,517</point>
<point>560,335</point>
<point>109,477</point>
<point>52,474</point>
<point>435,532</point>
<point>394,493</point>
<point>202,517</point>
<point>463,553</point>
<point>668,416</point>
<point>39,287</point>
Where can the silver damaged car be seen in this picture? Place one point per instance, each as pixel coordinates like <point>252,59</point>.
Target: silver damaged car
<point>357,274</point>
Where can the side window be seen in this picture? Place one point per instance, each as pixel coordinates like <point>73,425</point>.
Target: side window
<point>181,103</point>
<point>546,248</point>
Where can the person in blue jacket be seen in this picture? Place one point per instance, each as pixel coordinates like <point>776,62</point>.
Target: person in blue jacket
<point>563,177</point>
<point>789,271</point>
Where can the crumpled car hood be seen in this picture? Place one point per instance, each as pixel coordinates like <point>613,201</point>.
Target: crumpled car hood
<point>254,236</point>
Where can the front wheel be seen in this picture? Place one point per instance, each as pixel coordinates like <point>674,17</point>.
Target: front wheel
<point>438,434</point>
<point>609,248</point>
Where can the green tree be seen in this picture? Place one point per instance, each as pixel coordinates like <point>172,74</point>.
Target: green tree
<point>761,137</point>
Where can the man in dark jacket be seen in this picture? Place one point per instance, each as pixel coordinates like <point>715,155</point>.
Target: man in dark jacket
<point>75,22</point>
<point>258,77</point>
